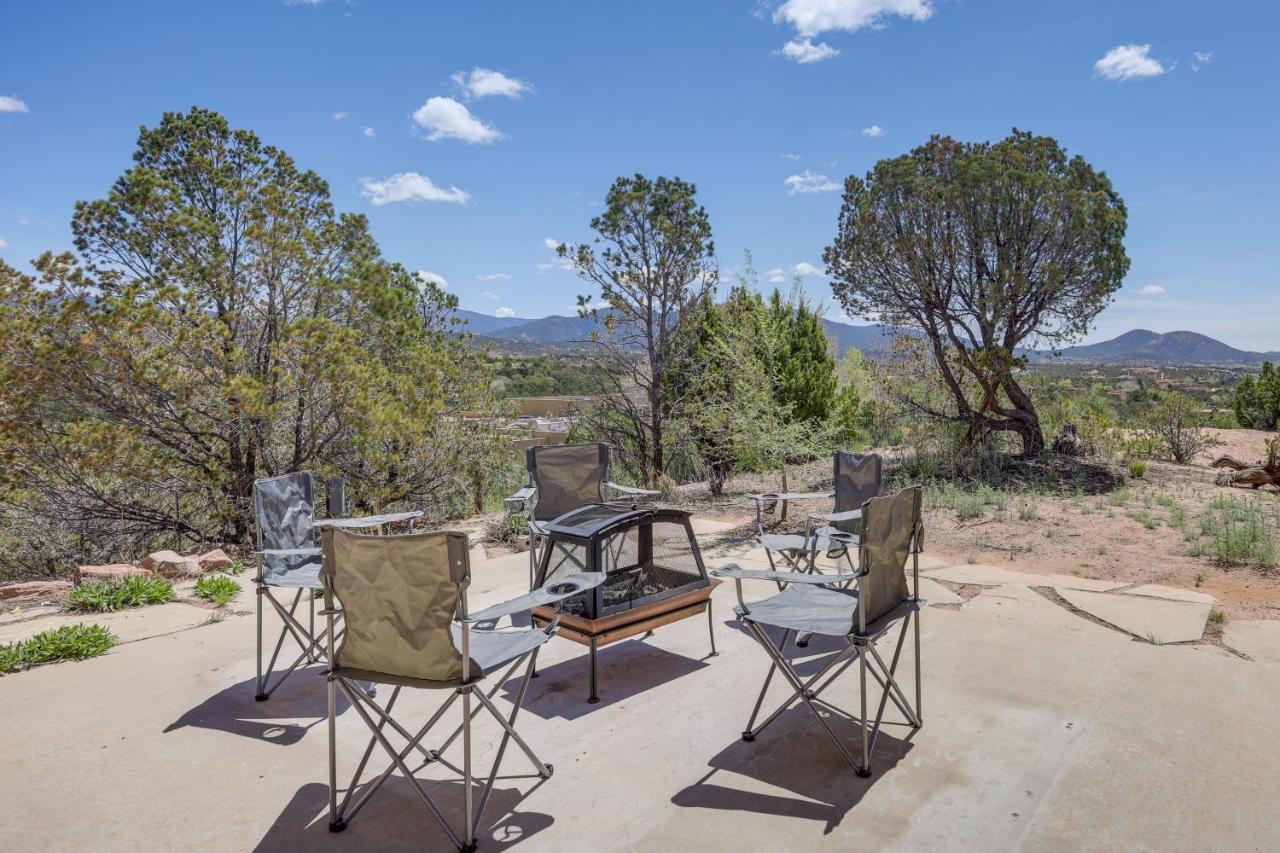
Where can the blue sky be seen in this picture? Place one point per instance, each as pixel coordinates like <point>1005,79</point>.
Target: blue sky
<point>1176,100</point>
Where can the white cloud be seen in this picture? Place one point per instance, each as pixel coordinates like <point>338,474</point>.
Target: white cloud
<point>807,182</point>
<point>805,51</point>
<point>1201,58</point>
<point>1151,290</point>
<point>433,277</point>
<point>409,186</point>
<point>806,268</point>
<point>369,132</point>
<point>484,82</point>
<point>551,243</point>
<point>13,104</point>
<point>339,116</point>
<point>3,242</point>
<point>789,156</point>
<point>445,118</point>
<point>1128,62</point>
<point>492,297</point>
<point>874,131</point>
<point>814,17</point>
<point>777,275</point>
<point>504,312</point>
<point>494,276</point>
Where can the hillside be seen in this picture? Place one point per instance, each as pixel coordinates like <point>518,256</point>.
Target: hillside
<point>1144,346</point>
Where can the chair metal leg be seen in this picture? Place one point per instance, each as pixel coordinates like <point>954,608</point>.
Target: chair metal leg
<point>469,832</point>
<point>711,629</point>
<point>749,734</point>
<point>358,704</point>
<point>865,770</point>
<point>335,824</point>
<point>258,694</point>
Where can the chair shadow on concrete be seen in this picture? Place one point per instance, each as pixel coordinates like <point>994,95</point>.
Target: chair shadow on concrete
<point>794,755</point>
<point>302,697</point>
<point>624,669</point>
<point>395,819</point>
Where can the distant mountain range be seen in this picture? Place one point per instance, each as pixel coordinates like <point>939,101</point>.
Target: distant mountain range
<point>523,334</point>
<point>1140,346</point>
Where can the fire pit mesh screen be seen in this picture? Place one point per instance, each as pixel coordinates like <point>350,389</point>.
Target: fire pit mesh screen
<point>650,559</point>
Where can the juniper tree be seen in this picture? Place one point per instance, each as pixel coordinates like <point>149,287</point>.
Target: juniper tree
<point>983,248</point>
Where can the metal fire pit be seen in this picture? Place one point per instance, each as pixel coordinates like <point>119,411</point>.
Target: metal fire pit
<point>653,567</point>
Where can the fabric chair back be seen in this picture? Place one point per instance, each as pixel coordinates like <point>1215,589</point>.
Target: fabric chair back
<point>284,512</point>
<point>891,532</point>
<point>857,480</point>
<point>567,476</point>
<point>399,597</point>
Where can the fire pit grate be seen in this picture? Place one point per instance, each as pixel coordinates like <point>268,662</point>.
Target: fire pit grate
<point>654,572</point>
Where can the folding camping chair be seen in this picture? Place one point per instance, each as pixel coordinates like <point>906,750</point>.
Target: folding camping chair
<point>859,614</point>
<point>563,477</point>
<point>404,604</point>
<point>856,478</point>
<point>289,559</point>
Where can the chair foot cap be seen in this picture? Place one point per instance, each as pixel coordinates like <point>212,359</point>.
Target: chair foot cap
<point>260,697</point>
<point>549,769</point>
<point>469,847</point>
<point>748,737</point>
<point>592,700</point>
<point>337,826</point>
<point>804,644</point>
<point>863,772</point>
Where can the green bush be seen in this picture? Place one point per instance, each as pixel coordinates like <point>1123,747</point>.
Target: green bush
<point>1236,532</point>
<point>70,642</point>
<point>105,596</point>
<point>1137,469</point>
<point>219,589</point>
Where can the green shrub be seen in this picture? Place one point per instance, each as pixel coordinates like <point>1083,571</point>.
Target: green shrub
<point>105,596</point>
<point>219,589</point>
<point>236,568</point>
<point>1137,469</point>
<point>1145,519</point>
<point>70,642</point>
<point>1237,532</point>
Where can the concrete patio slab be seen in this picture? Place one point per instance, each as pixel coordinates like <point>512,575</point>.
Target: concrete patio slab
<point>137,623</point>
<point>935,593</point>
<point>1043,731</point>
<point>1258,640</point>
<point>1173,593</point>
<point>1164,620</point>
<point>984,575</point>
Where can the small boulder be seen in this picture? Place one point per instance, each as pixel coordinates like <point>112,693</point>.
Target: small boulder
<point>89,574</point>
<point>171,564</point>
<point>33,589</point>
<point>214,560</point>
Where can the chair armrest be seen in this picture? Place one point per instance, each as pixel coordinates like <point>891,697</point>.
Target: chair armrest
<point>368,520</point>
<point>632,490</point>
<point>557,590</point>
<point>519,501</point>
<point>836,516</point>
<point>791,496</point>
<point>733,571</point>
<point>288,552</point>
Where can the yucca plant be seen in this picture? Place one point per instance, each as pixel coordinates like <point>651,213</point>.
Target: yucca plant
<point>70,642</point>
<point>105,596</point>
<point>219,589</point>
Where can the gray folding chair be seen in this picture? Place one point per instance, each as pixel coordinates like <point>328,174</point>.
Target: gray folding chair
<point>289,558</point>
<point>859,614</point>
<point>564,477</point>
<point>404,603</point>
<point>856,478</point>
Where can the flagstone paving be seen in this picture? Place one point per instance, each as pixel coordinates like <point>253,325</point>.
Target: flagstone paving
<point>1155,590</point>
<point>978,573</point>
<point>1156,619</point>
<point>1259,640</point>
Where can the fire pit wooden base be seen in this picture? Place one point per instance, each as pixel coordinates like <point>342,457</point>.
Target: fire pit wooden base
<point>595,633</point>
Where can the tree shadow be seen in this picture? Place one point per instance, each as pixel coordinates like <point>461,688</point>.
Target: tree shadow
<point>795,755</point>
<point>234,710</point>
<point>396,819</point>
<point>624,669</point>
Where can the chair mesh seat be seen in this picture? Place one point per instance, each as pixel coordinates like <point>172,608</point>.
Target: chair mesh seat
<point>808,607</point>
<point>490,649</point>
<point>302,573</point>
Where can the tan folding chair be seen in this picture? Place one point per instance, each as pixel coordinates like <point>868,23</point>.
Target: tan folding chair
<point>564,477</point>
<point>860,607</point>
<point>404,603</point>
